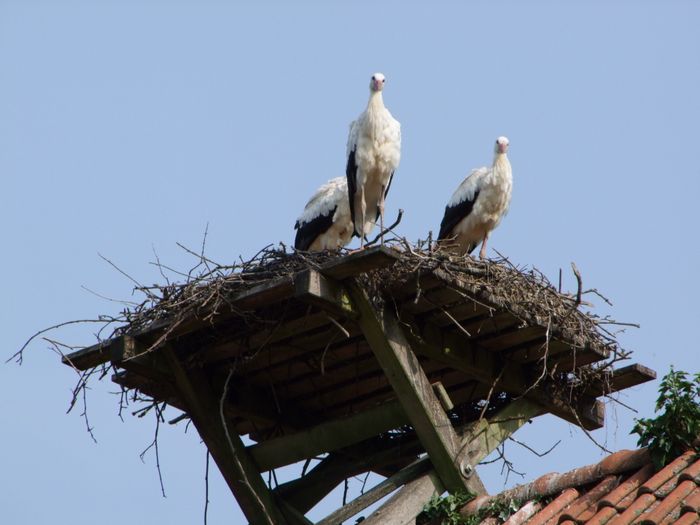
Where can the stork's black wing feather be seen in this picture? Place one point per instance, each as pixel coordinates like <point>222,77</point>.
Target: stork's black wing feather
<point>454,214</point>
<point>351,174</point>
<point>308,232</point>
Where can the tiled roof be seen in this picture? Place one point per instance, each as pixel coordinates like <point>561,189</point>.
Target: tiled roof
<point>622,489</point>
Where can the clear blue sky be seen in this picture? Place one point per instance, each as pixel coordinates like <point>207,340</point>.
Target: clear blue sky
<point>125,128</point>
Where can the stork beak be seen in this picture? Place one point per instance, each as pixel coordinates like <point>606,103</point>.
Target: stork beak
<point>502,148</point>
<point>376,85</point>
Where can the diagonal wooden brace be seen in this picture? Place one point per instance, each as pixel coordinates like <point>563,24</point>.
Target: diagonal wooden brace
<point>227,449</point>
<point>479,439</point>
<point>414,391</point>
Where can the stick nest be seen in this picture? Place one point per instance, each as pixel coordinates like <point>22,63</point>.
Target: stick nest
<point>526,293</point>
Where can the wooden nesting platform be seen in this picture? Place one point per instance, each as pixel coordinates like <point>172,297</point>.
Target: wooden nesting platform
<point>325,360</point>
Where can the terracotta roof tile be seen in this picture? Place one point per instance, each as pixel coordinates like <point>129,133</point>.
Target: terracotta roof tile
<point>475,505</point>
<point>525,513</point>
<point>626,492</point>
<point>554,508</point>
<point>641,504</point>
<point>689,518</point>
<point>622,489</point>
<point>624,460</point>
<point>584,508</point>
<point>603,516</point>
<point>692,472</point>
<point>667,473</point>
<point>692,502</point>
<point>671,503</point>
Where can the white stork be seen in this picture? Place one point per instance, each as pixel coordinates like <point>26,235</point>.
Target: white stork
<point>325,223</point>
<point>478,205</point>
<point>374,151</point>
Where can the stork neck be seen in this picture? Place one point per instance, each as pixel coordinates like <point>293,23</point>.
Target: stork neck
<point>376,102</point>
<point>500,161</point>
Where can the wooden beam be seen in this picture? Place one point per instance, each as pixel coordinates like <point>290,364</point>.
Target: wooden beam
<point>458,351</point>
<point>305,492</point>
<point>327,436</point>
<point>381,455</point>
<point>360,262</point>
<point>313,287</point>
<point>403,507</point>
<point>251,298</point>
<point>244,400</point>
<point>520,311</point>
<point>620,379</point>
<point>479,438</point>
<point>412,388</point>
<point>386,487</point>
<point>227,449</point>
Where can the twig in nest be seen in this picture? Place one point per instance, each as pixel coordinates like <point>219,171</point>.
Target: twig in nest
<point>159,416</point>
<point>18,355</point>
<point>323,355</point>
<point>206,488</point>
<point>364,482</point>
<point>306,466</point>
<point>488,397</point>
<point>138,284</point>
<point>338,325</point>
<point>455,321</point>
<point>386,230</point>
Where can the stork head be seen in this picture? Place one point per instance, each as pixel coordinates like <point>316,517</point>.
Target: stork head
<point>502,145</point>
<point>377,82</point>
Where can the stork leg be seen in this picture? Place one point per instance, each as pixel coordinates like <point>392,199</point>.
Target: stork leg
<point>381,218</point>
<point>363,209</point>
<point>482,252</point>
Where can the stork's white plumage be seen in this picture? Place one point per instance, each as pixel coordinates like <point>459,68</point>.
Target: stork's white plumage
<point>325,223</point>
<point>374,151</point>
<point>478,205</point>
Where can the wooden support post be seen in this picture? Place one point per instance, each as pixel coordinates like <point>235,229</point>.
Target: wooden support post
<point>389,485</point>
<point>227,449</point>
<point>412,388</point>
<point>305,492</point>
<point>327,436</point>
<point>381,455</point>
<point>480,439</point>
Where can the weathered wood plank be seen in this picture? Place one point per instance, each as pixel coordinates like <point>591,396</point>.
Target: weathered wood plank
<point>403,507</point>
<point>327,436</point>
<point>227,449</point>
<point>412,388</point>
<point>89,357</point>
<point>480,439</point>
<point>314,288</point>
<point>385,456</point>
<point>273,291</point>
<point>621,379</point>
<point>360,262</point>
<point>458,351</point>
<point>294,327</point>
<point>389,485</point>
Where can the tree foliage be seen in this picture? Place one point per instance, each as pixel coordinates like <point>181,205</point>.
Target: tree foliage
<point>675,429</point>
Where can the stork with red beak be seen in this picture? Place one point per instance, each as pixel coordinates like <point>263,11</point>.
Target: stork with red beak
<point>478,205</point>
<point>373,151</point>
